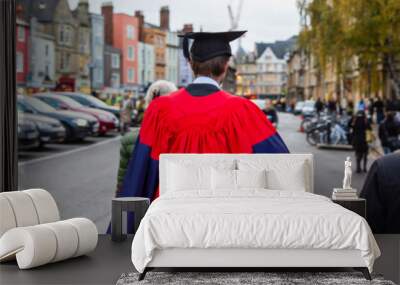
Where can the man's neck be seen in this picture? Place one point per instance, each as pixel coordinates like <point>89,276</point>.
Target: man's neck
<point>206,80</point>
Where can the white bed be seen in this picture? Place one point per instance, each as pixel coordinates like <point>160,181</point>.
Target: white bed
<point>288,226</point>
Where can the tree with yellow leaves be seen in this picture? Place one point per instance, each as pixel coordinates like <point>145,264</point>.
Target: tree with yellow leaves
<point>355,35</point>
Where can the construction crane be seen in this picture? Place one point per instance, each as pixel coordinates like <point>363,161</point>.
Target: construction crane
<point>235,18</point>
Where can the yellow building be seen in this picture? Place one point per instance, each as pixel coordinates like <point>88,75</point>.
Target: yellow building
<point>155,36</point>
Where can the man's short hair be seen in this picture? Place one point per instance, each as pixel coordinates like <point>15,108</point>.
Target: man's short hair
<point>213,67</point>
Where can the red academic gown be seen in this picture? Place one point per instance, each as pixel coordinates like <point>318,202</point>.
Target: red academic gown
<point>197,119</point>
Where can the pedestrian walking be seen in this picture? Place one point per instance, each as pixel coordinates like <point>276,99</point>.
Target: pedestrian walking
<point>157,89</point>
<point>271,113</point>
<point>319,106</point>
<point>361,105</point>
<point>360,126</point>
<point>126,109</point>
<point>389,131</point>
<point>350,108</point>
<point>379,108</point>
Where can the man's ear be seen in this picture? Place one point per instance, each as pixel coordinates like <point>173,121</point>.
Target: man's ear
<point>226,67</point>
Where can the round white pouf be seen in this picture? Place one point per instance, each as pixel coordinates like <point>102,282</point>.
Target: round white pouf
<point>40,244</point>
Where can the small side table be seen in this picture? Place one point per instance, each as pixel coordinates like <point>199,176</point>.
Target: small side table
<point>358,205</point>
<point>137,205</point>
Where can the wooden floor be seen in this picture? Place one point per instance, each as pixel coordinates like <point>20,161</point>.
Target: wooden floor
<point>106,264</point>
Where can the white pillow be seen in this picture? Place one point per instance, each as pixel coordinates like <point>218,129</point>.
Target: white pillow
<point>192,174</point>
<point>181,177</point>
<point>223,179</point>
<point>282,174</point>
<point>228,179</point>
<point>251,178</point>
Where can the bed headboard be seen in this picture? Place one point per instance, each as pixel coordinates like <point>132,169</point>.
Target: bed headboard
<point>271,159</point>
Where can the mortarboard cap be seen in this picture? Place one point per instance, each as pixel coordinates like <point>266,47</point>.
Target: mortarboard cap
<point>209,45</point>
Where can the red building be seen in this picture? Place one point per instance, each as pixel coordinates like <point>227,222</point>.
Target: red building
<point>22,56</point>
<point>122,32</point>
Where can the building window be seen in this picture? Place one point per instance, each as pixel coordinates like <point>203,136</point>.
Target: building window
<point>131,53</point>
<point>64,34</point>
<point>131,75</point>
<point>115,60</point>
<point>21,34</point>
<point>115,81</point>
<point>130,32</point>
<point>46,50</point>
<point>20,62</point>
<point>64,64</point>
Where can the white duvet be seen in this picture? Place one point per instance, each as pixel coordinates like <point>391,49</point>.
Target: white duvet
<point>252,218</point>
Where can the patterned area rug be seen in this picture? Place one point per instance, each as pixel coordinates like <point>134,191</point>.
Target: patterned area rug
<point>243,278</point>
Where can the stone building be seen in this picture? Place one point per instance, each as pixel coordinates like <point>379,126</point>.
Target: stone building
<point>83,34</point>
<point>97,52</point>
<point>296,72</point>
<point>271,72</point>
<point>246,73</point>
<point>42,57</point>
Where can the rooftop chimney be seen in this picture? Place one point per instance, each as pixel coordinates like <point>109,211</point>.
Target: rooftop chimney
<point>140,16</point>
<point>187,28</point>
<point>164,18</point>
<point>107,11</point>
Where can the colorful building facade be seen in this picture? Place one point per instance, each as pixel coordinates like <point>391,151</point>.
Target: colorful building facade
<point>146,64</point>
<point>42,57</point>
<point>172,57</point>
<point>97,51</point>
<point>22,51</point>
<point>153,35</point>
<point>125,38</point>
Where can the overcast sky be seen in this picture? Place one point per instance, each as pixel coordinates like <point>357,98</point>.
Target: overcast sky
<point>265,20</point>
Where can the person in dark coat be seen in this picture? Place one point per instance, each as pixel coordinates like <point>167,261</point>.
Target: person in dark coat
<point>389,131</point>
<point>271,113</point>
<point>319,106</point>
<point>360,126</point>
<point>379,107</point>
<point>382,192</point>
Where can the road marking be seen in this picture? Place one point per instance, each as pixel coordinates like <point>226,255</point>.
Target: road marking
<point>57,155</point>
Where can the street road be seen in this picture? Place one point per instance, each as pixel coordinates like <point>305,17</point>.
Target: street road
<point>82,177</point>
<point>328,163</point>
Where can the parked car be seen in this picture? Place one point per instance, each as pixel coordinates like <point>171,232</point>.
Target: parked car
<point>298,107</point>
<point>107,121</point>
<point>28,135</point>
<point>92,102</point>
<point>77,125</point>
<point>50,130</point>
<point>308,108</point>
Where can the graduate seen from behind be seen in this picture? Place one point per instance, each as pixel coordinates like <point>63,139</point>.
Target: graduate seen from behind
<point>201,118</point>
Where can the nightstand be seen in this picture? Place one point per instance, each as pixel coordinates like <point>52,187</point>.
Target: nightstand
<point>358,205</point>
<point>136,205</point>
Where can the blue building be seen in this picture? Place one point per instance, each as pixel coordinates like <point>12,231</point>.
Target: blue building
<point>97,47</point>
